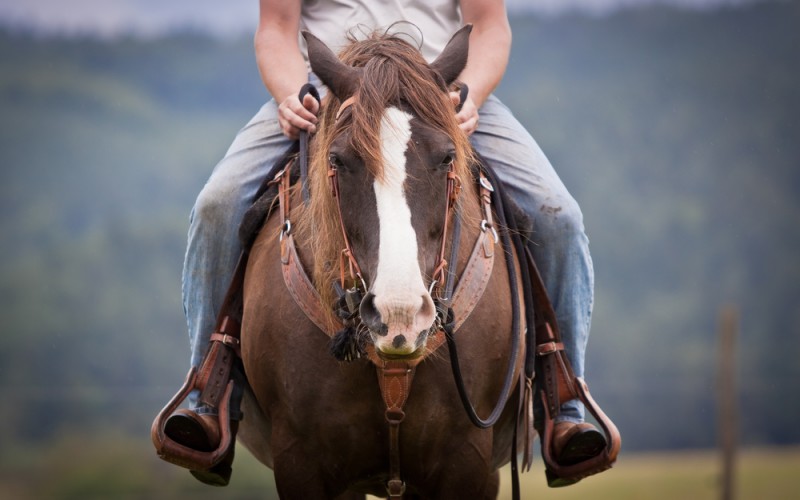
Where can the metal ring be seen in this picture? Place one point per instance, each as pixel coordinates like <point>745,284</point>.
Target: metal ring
<point>485,225</point>
<point>363,282</point>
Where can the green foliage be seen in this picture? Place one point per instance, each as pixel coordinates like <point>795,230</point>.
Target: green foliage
<point>676,131</point>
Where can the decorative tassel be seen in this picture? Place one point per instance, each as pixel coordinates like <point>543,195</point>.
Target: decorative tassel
<point>348,345</point>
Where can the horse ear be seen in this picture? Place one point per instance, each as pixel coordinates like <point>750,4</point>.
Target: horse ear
<point>453,59</point>
<point>340,78</point>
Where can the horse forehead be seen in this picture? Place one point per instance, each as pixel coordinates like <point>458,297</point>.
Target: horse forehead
<point>428,142</point>
<point>423,140</point>
<point>395,134</point>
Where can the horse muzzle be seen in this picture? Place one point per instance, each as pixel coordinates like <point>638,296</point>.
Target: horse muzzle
<point>399,327</point>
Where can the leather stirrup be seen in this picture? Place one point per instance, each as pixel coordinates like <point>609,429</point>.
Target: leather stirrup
<point>178,454</point>
<point>558,385</point>
<point>215,383</point>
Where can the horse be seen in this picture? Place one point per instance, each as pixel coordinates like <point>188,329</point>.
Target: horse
<point>385,181</point>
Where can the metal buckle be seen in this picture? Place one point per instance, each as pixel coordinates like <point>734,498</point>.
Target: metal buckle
<point>285,229</point>
<point>485,226</point>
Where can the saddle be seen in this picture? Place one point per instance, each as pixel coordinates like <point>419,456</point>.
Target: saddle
<point>547,376</point>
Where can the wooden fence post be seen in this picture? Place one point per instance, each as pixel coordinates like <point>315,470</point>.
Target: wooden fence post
<point>727,409</point>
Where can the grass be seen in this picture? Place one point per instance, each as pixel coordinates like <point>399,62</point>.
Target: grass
<point>115,466</point>
<point>772,473</point>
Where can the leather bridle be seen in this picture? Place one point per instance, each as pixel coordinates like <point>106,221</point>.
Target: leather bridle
<point>348,259</point>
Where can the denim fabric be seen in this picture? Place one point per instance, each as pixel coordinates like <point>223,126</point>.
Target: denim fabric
<point>559,246</point>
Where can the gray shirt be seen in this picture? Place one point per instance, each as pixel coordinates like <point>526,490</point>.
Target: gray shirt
<point>433,22</point>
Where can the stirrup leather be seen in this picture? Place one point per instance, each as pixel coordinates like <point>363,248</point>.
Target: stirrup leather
<point>558,384</point>
<point>215,382</point>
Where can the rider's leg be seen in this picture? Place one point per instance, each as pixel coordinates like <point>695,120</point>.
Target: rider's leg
<point>211,256</point>
<point>561,250</point>
<point>213,246</point>
<point>559,243</point>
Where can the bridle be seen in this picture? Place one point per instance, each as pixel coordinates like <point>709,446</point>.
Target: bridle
<point>348,261</point>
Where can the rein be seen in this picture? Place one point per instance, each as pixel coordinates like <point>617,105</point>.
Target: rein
<point>303,139</point>
<point>486,189</point>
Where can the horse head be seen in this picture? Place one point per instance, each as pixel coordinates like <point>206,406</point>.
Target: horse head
<point>391,142</point>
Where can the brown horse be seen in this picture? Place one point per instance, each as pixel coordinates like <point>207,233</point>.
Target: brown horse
<point>387,143</point>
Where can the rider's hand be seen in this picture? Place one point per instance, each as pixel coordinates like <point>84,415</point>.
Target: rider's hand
<point>468,116</point>
<point>294,116</point>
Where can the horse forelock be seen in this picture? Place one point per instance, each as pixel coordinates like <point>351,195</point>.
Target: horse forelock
<point>394,75</point>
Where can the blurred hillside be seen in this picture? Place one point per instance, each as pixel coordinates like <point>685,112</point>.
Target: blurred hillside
<point>679,135</point>
<point>676,131</point>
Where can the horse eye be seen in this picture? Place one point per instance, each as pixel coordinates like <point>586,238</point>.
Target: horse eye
<point>448,159</point>
<point>334,160</point>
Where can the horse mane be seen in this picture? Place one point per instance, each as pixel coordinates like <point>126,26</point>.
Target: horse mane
<point>394,74</point>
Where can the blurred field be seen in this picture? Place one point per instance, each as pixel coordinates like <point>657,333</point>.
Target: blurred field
<point>772,473</point>
<point>115,466</point>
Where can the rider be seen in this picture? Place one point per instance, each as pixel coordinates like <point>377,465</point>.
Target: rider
<point>559,244</point>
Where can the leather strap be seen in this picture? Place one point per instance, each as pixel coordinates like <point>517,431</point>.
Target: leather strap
<point>214,372</point>
<point>453,190</point>
<point>345,104</point>
<point>559,385</point>
<point>213,380</point>
<point>347,251</point>
<point>394,379</point>
<point>302,290</point>
<point>488,196</point>
<point>473,280</point>
<point>303,140</point>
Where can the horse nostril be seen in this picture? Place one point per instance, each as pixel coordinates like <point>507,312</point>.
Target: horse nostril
<point>399,341</point>
<point>426,314</point>
<point>371,317</point>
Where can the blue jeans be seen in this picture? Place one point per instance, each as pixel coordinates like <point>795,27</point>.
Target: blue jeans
<point>560,246</point>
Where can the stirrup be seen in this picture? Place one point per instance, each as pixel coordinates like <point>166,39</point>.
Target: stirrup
<point>564,475</point>
<point>183,456</point>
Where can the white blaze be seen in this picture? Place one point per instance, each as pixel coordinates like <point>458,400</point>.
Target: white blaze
<point>398,286</point>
